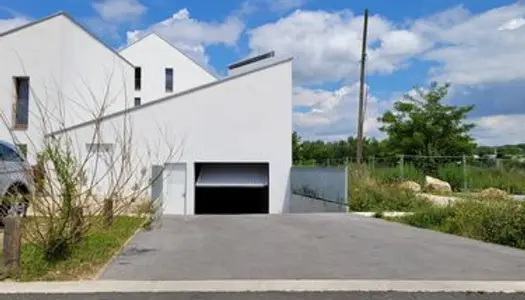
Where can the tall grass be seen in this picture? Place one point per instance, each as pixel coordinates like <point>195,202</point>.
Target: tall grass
<point>511,180</point>
<point>391,175</point>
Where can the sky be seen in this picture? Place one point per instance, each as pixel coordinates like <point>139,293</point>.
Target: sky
<point>476,45</point>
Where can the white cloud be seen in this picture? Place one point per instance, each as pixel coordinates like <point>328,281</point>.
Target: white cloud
<point>116,11</point>
<point>500,129</point>
<point>478,53</point>
<point>8,24</point>
<point>192,35</point>
<point>513,24</point>
<point>249,7</point>
<point>326,45</point>
<point>472,49</point>
<point>333,114</point>
<point>284,5</point>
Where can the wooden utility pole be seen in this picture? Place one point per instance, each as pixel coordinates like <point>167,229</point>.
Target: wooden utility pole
<point>361,118</point>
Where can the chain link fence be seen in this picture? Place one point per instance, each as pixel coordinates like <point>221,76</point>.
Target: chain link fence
<point>464,173</point>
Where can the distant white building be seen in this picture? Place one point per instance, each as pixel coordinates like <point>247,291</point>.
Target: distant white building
<point>161,69</point>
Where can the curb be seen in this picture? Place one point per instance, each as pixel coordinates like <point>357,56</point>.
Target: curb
<point>118,252</point>
<point>245,286</point>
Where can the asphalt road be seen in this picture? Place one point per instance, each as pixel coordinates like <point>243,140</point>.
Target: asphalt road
<point>315,246</point>
<point>270,296</point>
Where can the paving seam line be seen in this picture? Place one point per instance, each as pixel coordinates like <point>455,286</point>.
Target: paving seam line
<point>119,251</point>
<point>228,286</point>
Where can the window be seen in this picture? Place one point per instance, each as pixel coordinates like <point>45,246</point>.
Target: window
<point>8,154</point>
<point>169,80</point>
<point>137,101</point>
<point>138,78</point>
<point>21,113</point>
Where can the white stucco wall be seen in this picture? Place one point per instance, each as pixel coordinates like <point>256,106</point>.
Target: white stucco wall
<point>71,75</point>
<point>242,119</point>
<point>153,54</point>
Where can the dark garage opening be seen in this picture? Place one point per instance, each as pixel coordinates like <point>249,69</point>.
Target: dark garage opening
<point>231,188</point>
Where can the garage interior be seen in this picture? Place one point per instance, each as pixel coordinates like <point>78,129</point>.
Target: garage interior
<point>231,188</point>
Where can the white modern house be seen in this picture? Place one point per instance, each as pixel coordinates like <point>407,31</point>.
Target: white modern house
<point>161,69</point>
<point>224,144</point>
<point>232,140</point>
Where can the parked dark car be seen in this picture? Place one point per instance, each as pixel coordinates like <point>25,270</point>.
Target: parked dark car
<point>15,181</point>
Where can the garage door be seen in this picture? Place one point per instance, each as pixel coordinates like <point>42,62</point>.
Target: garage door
<point>233,176</point>
<point>231,188</point>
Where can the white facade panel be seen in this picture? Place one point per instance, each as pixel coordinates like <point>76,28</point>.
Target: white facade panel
<point>153,55</point>
<point>71,76</point>
<point>245,119</point>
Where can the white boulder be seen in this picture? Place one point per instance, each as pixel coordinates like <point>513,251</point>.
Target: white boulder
<point>410,185</point>
<point>434,184</point>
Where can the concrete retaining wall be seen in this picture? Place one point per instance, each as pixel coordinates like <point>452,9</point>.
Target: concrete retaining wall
<point>303,204</point>
<point>320,183</point>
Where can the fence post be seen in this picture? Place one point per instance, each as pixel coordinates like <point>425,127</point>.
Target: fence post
<point>402,166</point>
<point>465,179</point>
<point>11,247</point>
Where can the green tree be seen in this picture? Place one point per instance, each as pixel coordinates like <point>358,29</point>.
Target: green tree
<point>424,125</point>
<point>296,148</point>
<point>485,150</point>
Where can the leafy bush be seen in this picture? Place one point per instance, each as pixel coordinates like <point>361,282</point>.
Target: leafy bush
<point>368,195</point>
<point>500,222</point>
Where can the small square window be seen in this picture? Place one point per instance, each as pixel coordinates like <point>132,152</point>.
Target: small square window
<point>137,101</point>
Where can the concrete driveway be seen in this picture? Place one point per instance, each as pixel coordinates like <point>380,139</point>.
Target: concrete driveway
<point>313,246</point>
